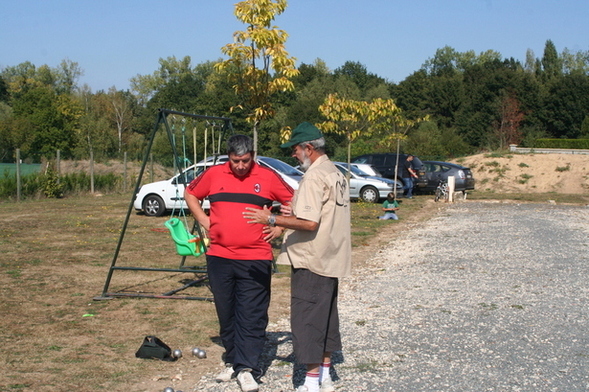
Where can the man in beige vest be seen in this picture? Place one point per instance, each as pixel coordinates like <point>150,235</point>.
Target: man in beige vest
<point>317,246</point>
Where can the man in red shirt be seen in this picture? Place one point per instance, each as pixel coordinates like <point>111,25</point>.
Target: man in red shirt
<point>239,258</point>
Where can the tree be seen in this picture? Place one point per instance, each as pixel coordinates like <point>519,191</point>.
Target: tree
<point>358,74</point>
<point>507,128</point>
<point>551,62</point>
<point>361,118</point>
<point>122,112</point>
<point>257,50</point>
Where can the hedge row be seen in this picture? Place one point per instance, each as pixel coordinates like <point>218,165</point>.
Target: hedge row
<point>581,144</point>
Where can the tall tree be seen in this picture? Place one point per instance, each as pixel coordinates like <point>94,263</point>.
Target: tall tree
<point>551,62</point>
<point>507,128</point>
<point>257,50</point>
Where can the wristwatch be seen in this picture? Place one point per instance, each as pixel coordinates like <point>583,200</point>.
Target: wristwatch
<point>272,220</point>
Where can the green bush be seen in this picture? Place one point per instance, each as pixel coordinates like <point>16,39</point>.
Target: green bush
<point>581,144</point>
<point>41,184</point>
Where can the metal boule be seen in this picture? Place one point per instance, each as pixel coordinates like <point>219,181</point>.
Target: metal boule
<point>177,354</point>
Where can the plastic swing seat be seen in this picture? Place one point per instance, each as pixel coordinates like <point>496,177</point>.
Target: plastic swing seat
<point>186,244</point>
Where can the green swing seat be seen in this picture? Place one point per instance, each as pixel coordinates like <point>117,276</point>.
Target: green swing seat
<point>186,244</point>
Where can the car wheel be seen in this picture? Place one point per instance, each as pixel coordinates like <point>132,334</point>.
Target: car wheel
<point>153,206</point>
<point>369,194</point>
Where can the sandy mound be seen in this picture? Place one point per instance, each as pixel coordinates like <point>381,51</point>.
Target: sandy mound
<point>529,173</point>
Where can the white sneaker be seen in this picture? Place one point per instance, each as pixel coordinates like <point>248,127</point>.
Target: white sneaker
<point>225,374</point>
<point>327,386</point>
<point>302,388</point>
<point>246,381</point>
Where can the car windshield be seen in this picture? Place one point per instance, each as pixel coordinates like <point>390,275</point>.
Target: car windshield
<point>354,170</point>
<point>280,166</point>
<point>189,175</point>
<point>417,163</point>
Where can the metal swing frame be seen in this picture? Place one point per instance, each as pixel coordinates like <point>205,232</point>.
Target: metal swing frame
<point>161,118</point>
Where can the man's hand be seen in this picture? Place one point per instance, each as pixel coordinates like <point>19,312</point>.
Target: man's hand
<point>256,215</point>
<point>272,232</point>
<point>286,209</point>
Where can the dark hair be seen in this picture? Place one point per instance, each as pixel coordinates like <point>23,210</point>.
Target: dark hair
<point>240,145</point>
<point>391,197</point>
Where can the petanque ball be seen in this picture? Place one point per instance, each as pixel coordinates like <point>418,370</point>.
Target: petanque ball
<point>195,351</point>
<point>202,354</point>
<point>168,389</point>
<point>177,353</point>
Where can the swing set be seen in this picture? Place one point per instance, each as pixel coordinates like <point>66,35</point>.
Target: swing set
<point>187,242</point>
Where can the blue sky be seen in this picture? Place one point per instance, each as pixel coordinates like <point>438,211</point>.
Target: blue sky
<point>114,40</point>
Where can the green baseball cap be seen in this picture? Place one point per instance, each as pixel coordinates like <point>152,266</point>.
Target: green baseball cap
<point>304,132</point>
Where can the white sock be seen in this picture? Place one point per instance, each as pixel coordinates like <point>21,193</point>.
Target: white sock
<point>324,372</point>
<point>312,382</point>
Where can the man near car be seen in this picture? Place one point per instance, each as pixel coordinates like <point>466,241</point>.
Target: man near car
<point>408,174</point>
<point>239,259</point>
<point>317,246</point>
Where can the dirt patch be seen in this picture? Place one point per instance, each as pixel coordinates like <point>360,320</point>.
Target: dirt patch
<point>530,173</point>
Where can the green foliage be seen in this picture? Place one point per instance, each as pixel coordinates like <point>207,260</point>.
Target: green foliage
<point>463,93</point>
<point>50,184</point>
<point>563,143</point>
<point>524,178</point>
<point>563,168</point>
<point>47,184</point>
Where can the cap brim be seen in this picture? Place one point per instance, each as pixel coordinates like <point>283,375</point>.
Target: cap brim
<point>288,144</point>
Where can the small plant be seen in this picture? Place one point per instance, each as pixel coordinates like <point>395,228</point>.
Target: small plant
<point>523,165</point>
<point>492,163</point>
<point>50,184</point>
<point>563,168</point>
<point>495,154</point>
<point>524,178</point>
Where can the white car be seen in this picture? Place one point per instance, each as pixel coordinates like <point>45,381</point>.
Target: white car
<point>155,198</point>
<point>368,188</point>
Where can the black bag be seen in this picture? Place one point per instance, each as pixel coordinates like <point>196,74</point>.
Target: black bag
<point>154,348</point>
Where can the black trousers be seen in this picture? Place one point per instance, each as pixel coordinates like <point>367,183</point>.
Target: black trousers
<point>241,289</point>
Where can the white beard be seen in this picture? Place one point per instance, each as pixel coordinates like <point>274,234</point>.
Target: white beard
<point>306,162</point>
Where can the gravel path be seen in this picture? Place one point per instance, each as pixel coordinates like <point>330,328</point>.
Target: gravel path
<point>483,297</point>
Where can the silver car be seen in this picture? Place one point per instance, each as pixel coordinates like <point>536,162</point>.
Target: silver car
<point>368,188</point>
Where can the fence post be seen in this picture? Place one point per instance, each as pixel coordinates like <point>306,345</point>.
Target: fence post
<point>18,183</point>
<point>125,172</point>
<point>58,165</point>
<point>91,171</point>
<point>451,187</point>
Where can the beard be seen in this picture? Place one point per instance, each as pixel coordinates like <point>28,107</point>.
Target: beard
<point>306,162</point>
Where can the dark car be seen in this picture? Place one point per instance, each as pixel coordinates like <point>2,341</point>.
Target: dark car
<point>437,171</point>
<point>385,163</point>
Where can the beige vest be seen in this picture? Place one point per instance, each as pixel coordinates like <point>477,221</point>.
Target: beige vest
<point>323,197</point>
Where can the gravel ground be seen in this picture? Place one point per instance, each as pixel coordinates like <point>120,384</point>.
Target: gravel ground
<point>483,297</point>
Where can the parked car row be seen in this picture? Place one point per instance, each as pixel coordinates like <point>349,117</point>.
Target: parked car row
<point>430,173</point>
<point>366,181</point>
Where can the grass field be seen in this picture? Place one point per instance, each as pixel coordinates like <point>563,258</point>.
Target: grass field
<point>54,260</point>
